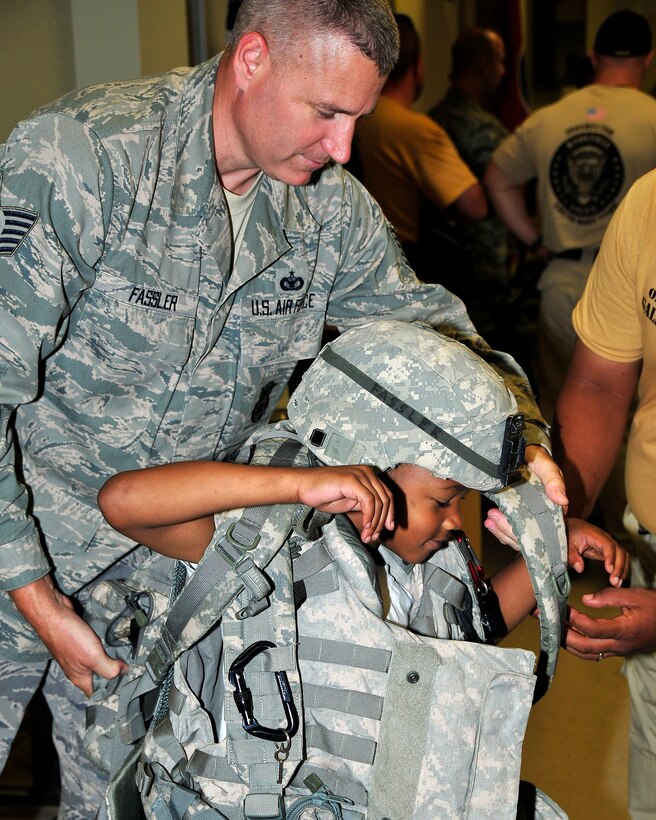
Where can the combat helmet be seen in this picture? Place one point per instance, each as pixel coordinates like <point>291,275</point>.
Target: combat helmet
<point>393,392</point>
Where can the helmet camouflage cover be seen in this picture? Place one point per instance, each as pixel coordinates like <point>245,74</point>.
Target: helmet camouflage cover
<point>393,392</point>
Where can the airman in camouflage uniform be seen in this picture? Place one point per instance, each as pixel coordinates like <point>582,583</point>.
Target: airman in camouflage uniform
<point>133,333</point>
<point>476,133</point>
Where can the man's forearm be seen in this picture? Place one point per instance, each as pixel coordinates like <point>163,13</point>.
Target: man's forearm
<point>587,438</point>
<point>591,418</point>
<point>36,601</point>
<point>510,204</point>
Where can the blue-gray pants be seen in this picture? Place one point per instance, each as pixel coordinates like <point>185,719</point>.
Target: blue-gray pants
<point>82,786</point>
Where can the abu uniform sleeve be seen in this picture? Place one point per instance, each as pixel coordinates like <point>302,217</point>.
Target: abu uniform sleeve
<point>54,181</point>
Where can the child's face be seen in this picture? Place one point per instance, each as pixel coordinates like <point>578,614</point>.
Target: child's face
<point>426,510</point>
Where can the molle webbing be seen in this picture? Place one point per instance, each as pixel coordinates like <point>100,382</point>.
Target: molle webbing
<point>543,543</point>
<point>231,563</point>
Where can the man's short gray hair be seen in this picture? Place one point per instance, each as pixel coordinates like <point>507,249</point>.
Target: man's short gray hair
<point>368,24</point>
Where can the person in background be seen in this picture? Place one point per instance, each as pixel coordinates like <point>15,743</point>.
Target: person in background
<point>615,353</point>
<point>585,152</point>
<point>170,248</point>
<point>407,161</point>
<point>477,67</point>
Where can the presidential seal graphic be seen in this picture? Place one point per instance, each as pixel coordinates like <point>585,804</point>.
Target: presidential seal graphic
<point>586,175</point>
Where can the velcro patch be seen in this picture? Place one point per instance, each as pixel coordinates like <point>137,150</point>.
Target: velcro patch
<point>15,224</point>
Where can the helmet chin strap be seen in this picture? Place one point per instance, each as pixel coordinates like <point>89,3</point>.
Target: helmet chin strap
<point>512,454</point>
<point>538,525</point>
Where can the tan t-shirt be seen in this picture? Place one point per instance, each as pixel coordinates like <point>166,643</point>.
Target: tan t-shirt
<point>407,159</point>
<point>616,318</point>
<point>586,151</point>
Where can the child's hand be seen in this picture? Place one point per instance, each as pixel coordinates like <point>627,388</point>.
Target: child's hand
<point>583,540</point>
<point>497,523</point>
<point>349,489</point>
<point>586,540</point>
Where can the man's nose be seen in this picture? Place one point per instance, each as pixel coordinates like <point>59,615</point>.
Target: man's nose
<point>338,142</point>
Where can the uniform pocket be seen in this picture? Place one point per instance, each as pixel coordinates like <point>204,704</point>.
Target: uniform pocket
<point>284,335</point>
<point>125,349</point>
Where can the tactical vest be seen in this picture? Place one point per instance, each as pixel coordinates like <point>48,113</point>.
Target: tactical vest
<point>328,708</point>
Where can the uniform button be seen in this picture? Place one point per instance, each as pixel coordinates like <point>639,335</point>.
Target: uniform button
<point>412,677</point>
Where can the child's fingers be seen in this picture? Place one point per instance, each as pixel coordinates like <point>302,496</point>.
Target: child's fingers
<point>385,519</point>
<point>348,489</point>
<point>620,568</point>
<point>497,523</point>
<point>381,502</point>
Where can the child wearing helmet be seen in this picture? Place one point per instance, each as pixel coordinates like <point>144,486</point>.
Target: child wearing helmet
<point>397,463</point>
<point>401,423</point>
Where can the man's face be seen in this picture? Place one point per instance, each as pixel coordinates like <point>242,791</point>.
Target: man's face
<point>495,67</point>
<point>426,511</point>
<point>300,111</point>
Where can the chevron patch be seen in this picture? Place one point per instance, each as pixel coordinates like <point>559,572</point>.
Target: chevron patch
<point>15,224</point>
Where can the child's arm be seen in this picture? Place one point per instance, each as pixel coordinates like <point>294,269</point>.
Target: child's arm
<point>170,508</point>
<point>584,540</point>
<point>512,585</point>
<point>587,541</point>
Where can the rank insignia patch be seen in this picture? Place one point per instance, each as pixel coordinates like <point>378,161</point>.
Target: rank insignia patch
<point>15,224</point>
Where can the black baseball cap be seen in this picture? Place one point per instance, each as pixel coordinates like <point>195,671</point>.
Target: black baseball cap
<point>623,34</point>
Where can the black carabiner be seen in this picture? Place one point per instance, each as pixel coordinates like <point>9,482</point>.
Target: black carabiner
<point>244,697</point>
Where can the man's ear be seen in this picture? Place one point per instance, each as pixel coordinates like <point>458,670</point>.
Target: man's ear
<point>251,57</point>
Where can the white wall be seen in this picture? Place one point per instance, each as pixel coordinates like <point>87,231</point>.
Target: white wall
<point>438,24</point>
<point>35,64</point>
<point>50,47</point>
<point>105,40</point>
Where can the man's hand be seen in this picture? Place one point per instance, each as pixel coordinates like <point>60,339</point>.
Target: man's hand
<point>347,489</point>
<point>633,630</point>
<point>540,462</point>
<point>70,640</point>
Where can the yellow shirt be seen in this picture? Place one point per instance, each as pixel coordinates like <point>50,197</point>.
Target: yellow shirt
<point>616,318</point>
<point>408,159</point>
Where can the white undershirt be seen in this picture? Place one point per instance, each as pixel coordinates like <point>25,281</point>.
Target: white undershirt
<point>240,208</point>
<point>401,588</point>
